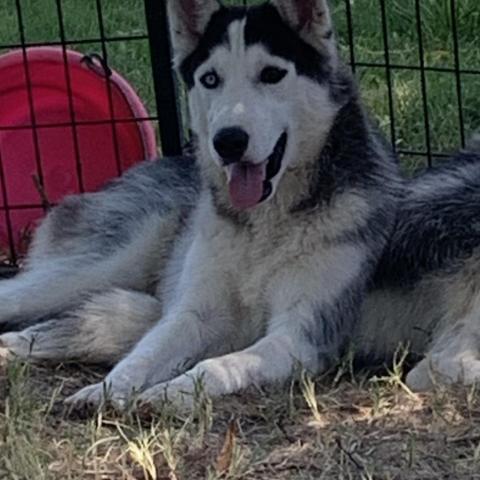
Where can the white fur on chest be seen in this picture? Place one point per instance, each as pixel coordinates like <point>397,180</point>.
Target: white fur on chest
<point>263,266</point>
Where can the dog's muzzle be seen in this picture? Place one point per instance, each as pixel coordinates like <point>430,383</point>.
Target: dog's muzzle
<point>250,183</point>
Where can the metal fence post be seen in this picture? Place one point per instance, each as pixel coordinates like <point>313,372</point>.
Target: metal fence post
<point>163,77</point>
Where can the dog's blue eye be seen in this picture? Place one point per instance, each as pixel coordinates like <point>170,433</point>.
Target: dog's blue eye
<point>210,80</point>
<point>272,75</point>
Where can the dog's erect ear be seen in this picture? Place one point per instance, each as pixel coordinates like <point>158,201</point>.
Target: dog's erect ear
<point>311,19</point>
<point>188,20</point>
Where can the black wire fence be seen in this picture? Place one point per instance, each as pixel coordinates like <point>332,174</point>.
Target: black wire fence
<point>416,61</point>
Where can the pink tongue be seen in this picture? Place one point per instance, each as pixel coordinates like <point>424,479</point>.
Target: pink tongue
<point>246,185</point>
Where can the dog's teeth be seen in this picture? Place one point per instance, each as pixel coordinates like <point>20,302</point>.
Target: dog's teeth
<point>229,172</point>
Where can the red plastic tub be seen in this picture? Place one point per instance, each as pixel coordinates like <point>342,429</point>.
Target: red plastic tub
<point>67,159</point>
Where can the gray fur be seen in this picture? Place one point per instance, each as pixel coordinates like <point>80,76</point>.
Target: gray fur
<point>103,329</point>
<point>119,237</point>
<point>104,218</point>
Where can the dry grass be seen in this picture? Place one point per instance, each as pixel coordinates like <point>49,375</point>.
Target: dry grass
<point>333,428</point>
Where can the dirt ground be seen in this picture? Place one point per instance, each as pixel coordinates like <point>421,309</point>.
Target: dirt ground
<point>343,426</point>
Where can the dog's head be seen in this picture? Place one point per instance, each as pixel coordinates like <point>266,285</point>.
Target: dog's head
<point>264,86</point>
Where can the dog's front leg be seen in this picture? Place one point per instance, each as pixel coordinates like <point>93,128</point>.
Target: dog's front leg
<point>186,335</point>
<point>198,325</point>
<point>312,317</point>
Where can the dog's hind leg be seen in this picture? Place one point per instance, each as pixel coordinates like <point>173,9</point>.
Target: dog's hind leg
<point>433,258</point>
<point>454,359</point>
<point>454,353</point>
<point>102,330</point>
<point>118,237</point>
<point>56,283</point>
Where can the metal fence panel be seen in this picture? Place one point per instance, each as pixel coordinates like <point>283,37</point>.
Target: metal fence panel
<point>411,88</point>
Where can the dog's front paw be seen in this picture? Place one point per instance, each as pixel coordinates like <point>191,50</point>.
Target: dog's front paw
<point>183,392</point>
<point>119,396</point>
<point>17,344</point>
<point>90,398</point>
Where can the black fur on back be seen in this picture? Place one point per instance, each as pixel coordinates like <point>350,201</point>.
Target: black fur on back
<point>438,223</point>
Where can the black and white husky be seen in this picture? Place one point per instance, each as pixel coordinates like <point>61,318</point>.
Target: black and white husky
<point>289,237</point>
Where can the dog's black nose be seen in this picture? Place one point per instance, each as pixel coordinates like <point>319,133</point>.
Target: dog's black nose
<point>231,144</point>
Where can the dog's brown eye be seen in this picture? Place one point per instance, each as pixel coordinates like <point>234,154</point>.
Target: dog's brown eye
<point>272,75</point>
<point>210,80</point>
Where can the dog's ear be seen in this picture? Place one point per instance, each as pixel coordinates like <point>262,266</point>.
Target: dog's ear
<point>188,20</point>
<point>312,20</point>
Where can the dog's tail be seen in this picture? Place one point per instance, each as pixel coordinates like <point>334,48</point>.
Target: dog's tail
<point>437,221</point>
<point>103,330</point>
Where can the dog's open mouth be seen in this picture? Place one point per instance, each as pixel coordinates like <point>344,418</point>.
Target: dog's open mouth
<point>250,183</point>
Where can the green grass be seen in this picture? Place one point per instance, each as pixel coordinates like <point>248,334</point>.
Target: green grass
<point>438,52</point>
<point>126,17</point>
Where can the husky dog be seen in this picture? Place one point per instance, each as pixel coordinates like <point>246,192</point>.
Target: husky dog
<point>290,235</point>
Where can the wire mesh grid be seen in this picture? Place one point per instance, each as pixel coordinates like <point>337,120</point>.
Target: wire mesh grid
<point>109,33</point>
<point>417,62</point>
